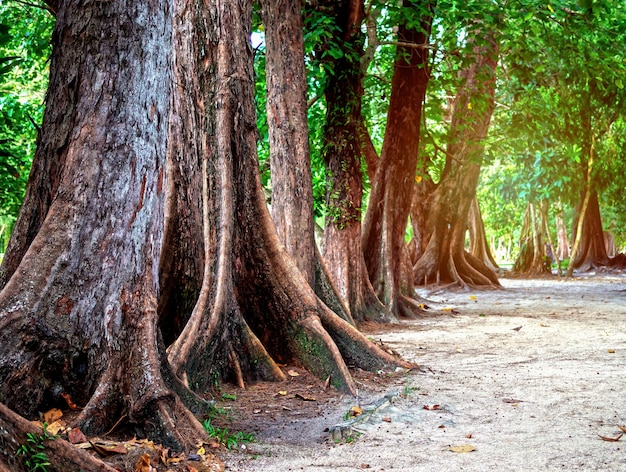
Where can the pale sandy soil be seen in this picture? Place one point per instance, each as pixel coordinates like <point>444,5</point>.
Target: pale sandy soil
<point>536,398</point>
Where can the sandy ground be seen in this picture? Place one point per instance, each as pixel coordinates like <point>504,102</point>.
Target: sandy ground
<point>534,398</point>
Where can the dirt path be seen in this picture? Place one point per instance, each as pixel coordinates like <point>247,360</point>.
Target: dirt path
<point>535,398</point>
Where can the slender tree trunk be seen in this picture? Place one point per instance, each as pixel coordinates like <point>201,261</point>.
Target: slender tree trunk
<point>292,191</point>
<point>390,198</point>
<point>346,137</point>
<point>79,314</point>
<point>479,247</point>
<point>445,258</point>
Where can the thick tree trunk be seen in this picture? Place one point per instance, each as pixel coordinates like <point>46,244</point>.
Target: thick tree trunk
<point>292,191</point>
<point>345,139</point>
<point>562,251</point>
<point>390,198</point>
<point>79,314</point>
<point>445,258</point>
<point>249,275</point>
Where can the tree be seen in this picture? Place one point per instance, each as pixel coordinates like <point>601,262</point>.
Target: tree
<point>445,257</point>
<point>344,149</point>
<point>78,315</point>
<point>255,304</point>
<point>387,215</point>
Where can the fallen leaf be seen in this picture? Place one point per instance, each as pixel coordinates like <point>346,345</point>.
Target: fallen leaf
<point>256,411</point>
<point>606,438</point>
<point>282,392</point>
<point>70,403</point>
<point>327,383</point>
<point>462,448</point>
<point>52,415</point>
<point>306,399</point>
<point>622,428</point>
<point>108,448</point>
<point>472,297</point>
<point>543,325</point>
<point>611,351</point>
<point>144,465</point>
<point>468,436</point>
<point>387,420</point>
<point>433,407</point>
<point>191,468</point>
<point>441,426</point>
<point>447,308</point>
<point>75,436</point>
<point>356,411</point>
<point>55,427</point>
<point>512,400</point>
<point>201,451</point>
<point>293,373</point>
<point>365,466</point>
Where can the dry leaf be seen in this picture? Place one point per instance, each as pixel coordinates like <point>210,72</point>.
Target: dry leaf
<point>327,383</point>
<point>441,426</point>
<point>108,449</point>
<point>55,427</point>
<point>356,411</point>
<point>468,436</point>
<point>201,451</point>
<point>191,468</point>
<point>306,399</point>
<point>472,297</point>
<point>282,392</point>
<point>434,407</point>
<point>611,351</point>
<point>293,373</point>
<point>462,448</point>
<point>144,465</point>
<point>511,400</point>
<point>70,403</point>
<point>605,438</point>
<point>387,420</point>
<point>76,436</point>
<point>365,466</point>
<point>52,415</point>
<point>622,428</point>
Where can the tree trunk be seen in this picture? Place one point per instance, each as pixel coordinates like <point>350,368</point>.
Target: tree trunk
<point>345,141</point>
<point>479,247</point>
<point>562,251</point>
<point>292,191</point>
<point>79,314</point>
<point>445,258</point>
<point>590,252</point>
<point>532,258</point>
<point>255,303</point>
<point>390,198</point>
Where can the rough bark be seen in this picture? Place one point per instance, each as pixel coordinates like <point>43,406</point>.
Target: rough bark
<point>390,198</point>
<point>292,191</point>
<point>79,314</point>
<point>590,252</point>
<point>479,247</point>
<point>345,145</point>
<point>532,259</point>
<point>445,258</point>
<point>251,285</point>
<point>562,251</point>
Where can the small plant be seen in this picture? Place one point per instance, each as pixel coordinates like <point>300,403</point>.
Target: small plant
<point>229,397</point>
<point>407,388</point>
<point>225,437</point>
<point>35,459</point>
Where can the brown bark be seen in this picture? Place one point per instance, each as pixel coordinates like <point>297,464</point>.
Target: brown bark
<point>292,191</point>
<point>254,298</point>
<point>479,247</point>
<point>532,258</point>
<point>562,251</point>
<point>390,198</point>
<point>346,141</point>
<point>445,258</point>
<point>78,315</point>
<point>590,253</point>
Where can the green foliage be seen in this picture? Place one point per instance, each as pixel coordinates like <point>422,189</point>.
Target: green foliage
<point>33,451</point>
<point>24,50</point>
<point>230,440</point>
